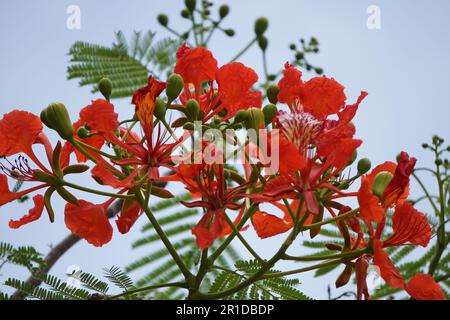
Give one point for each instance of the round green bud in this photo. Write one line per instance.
(381, 182)
(272, 93)
(241, 116)
(224, 10)
(319, 71)
(270, 112)
(190, 4)
(261, 25)
(299, 55)
(229, 32)
(83, 133)
(448, 148)
(263, 42)
(160, 109)
(163, 19)
(364, 166)
(255, 118)
(105, 87)
(292, 46)
(185, 14)
(425, 145)
(193, 108)
(438, 162)
(56, 117)
(175, 85)
(189, 126)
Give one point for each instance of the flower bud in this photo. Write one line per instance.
(185, 14)
(175, 85)
(163, 19)
(263, 42)
(255, 118)
(83, 133)
(193, 108)
(189, 126)
(105, 87)
(241, 116)
(261, 25)
(160, 109)
(272, 93)
(270, 111)
(229, 32)
(56, 117)
(224, 10)
(190, 4)
(363, 166)
(333, 246)
(380, 183)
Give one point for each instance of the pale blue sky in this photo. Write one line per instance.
(404, 67)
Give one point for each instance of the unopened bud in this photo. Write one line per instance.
(175, 85)
(193, 108)
(229, 32)
(160, 109)
(83, 133)
(263, 42)
(190, 4)
(270, 112)
(261, 25)
(344, 278)
(380, 183)
(272, 93)
(163, 19)
(363, 166)
(105, 87)
(189, 126)
(56, 117)
(255, 118)
(224, 10)
(241, 116)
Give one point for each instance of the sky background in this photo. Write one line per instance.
(404, 67)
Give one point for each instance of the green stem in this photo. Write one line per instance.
(85, 145)
(350, 254)
(244, 50)
(436, 210)
(102, 193)
(340, 217)
(305, 269)
(184, 270)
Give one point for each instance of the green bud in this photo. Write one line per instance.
(263, 42)
(193, 108)
(319, 71)
(255, 118)
(261, 25)
(75, 169)
(292, 46)
(83, 133)
(190, 4)
(185, 14)
(175, 85)
(364, 166)
(299, 55)
(224, 10)
(56, 117)
(160, 109)
(272, 93)
(270, 112)
(105, 87)
(163, 19)
(425, 145)
(380, 183)
(241, 116)
(229, 32)
(438, 162)
(189, 126)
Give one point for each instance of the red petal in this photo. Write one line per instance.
(388, 271)
(6, 195)
(423, 287)
(369, 207)
(290, 159)
(267, 225)
(88, 221)
(105, 177)
(322, 97)
(99, 116)
(196, 65)
(18, 131)
(410, 226)
(131, 211)
(349, 111)
(289, 85)
(145, 100)
(33, 214)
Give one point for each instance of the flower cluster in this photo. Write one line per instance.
(307, 126)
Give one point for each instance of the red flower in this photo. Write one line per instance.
(371, 208)
(195, 66)
(88, 221)
(235, 81)
(99, 117)
(21, 130)
(290, 85)
(145, 101)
